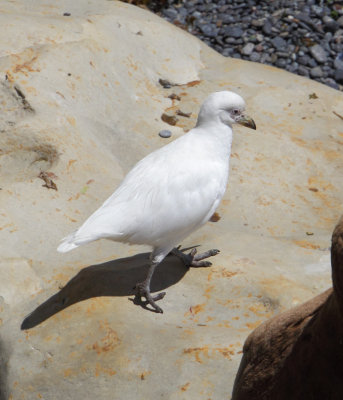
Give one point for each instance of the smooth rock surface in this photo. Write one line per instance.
(81, 102)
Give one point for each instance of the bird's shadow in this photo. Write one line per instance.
(113, 278)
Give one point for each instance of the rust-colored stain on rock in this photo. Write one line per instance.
(193, 83)
(259, 310)
(68, 372)
(185, 387)
(108, 343)
(253, 325)
(221, 273)
(99, 369)
(22, 65)
(306, 244)
(193, 310)
(144, 374)
(208, 291)
(206, 352)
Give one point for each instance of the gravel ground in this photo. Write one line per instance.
(303, 37)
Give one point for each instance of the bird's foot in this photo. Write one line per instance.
(142, 290)
(193, 259)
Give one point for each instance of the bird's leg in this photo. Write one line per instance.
(193, 259)
(143, 290)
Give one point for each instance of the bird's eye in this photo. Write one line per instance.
(235, 111)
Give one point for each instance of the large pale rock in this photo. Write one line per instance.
(298, 354)
(80, 101)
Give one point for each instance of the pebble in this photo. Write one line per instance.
(209, 30)
(303, 37)
(303, 71)
(339, 75)
(170, 13)
(318, 53)
(234, 32)
(330, 24)
(316, 72)
(279, 43)
(303, 60)
(255, 57)
(165, 134)
(281, 62)
(248, 49)
(338, 63)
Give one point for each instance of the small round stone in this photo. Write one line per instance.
(318, 53)
(248, 49)
(170, 13)
(316, 72)
(255, 57)
(165, 134)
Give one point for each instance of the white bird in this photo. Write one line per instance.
(171, 192)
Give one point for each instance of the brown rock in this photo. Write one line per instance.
(299, 353)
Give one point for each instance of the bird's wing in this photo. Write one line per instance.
(168, 193)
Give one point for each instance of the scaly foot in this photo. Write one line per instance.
(193, 259)
(143, 290)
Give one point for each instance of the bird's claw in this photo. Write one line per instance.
(143, 291)
(206, 254)
(193, 259)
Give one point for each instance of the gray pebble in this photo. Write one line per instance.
(293, 67)
(338, 63)
(279, 43)
(330, 24)
(328, 36)
(318, 53)
(281, 62)
(267, 28)
(234, 32)
(226, 52)
(316, 72)
(258, 23)
(237, 55)
(255, 57)
(170, 13)
(303, 71)
(196, 14)
(318, 11)
(339, 75)
(209, 30)
(248, 49)
(330, 82)
(303, 60)
(165, 134)
(312, 63)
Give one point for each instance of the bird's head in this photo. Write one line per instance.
(225, 107)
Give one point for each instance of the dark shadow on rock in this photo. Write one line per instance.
(113, 278)
(298, 354)
(4, 395)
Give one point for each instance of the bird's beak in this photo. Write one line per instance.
(247, 121)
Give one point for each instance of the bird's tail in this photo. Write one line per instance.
(67, 244)
(76, 239)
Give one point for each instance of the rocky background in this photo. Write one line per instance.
(303, 37)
